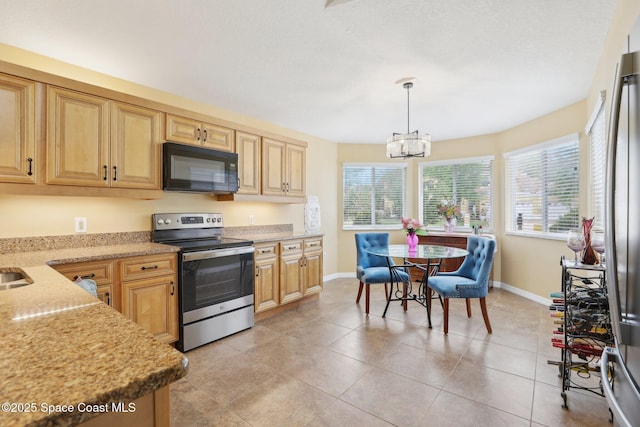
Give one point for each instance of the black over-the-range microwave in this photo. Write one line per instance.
(199, 170)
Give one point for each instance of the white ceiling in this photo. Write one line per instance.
(329, 70)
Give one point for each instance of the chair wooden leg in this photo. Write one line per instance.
(446, 315)
(468, 307)
(485, 316)
(429, 295)
(359, 292)
(366, 299)
(386, 291)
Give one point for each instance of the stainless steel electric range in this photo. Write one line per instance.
(215, 276)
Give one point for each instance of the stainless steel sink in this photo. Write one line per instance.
(13, 279)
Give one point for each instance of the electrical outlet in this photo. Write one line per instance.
(81, 224)
(250, 219)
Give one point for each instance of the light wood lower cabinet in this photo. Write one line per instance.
(291, 283)
(312, 271)
(142, 288)
(151, 410)
(99, 271)
(287, 271)
(267, 280)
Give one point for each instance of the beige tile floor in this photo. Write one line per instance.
(328, 364)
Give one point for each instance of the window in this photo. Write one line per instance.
(465, 182)
(373, 195)
(542, 188)
(597, 162)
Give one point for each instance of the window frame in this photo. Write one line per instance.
(457, 161)
(597, 154)
(372, 225)
(572, 138)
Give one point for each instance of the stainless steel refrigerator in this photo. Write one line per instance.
(621, 381)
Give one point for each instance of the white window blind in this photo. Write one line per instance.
(373, 195)
(468, 183)
(542, 188)
(598, 158)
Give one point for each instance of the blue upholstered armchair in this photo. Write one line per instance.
(471, 280)
(373, 268)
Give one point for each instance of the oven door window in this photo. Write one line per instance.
(211, 281)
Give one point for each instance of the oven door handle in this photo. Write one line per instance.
(217, 253)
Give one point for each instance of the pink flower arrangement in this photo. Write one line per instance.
(413, 226)
(448, 209)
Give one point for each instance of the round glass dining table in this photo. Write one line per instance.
(426, 258)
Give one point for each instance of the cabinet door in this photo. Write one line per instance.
(267, 289)
(273, 167)
(248, 149)
(153, 304)
(296, 166)
(291, 278)
(181, 129)
(217, 137)
(102, 272)
(313, 273)
(135, 146)
(77, 138)
(17, 130)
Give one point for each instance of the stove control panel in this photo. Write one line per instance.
(175, 221)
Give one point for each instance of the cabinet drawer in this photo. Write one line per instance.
(100, 271)
(147, 266)
(290, 246)
(313, 245)
(266, 250)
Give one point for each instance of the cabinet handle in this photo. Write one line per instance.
(108, 295)
(152, 267)
(287, 187)
(88, 276)
(30, 160)
(106, 171)
(205, 136)
(292, 247)
(313, 244)
(257, 271)
(173, 288)
(283, 187)
(266, 251)
(199, 133)
(115, 173)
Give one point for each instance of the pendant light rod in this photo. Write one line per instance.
(407, 86)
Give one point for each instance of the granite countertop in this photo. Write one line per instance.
(272, 237)
(61, 346)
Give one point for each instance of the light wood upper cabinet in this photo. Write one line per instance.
(195, 132)
(248, 149)
(77, 138)
(283, 168)
(92, 141)
(135, 146)
(17, 130)
(296, 170)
